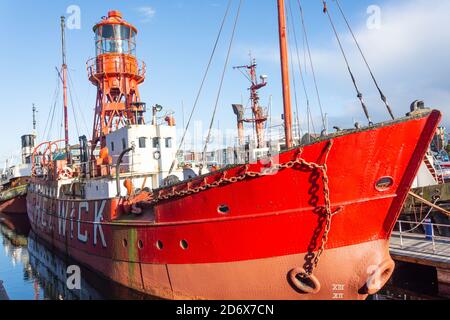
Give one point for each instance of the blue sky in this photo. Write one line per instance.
(408, 53)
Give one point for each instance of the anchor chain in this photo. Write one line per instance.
(158, 197)
(323, 168)
(329, 218)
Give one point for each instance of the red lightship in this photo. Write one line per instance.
(315, 219)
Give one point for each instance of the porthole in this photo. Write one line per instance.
(223, 209)
(384, 184)
(140, 244)
(125, 243)
(184, 244)
(159, 245)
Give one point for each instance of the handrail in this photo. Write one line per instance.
(432, 238)
(439, 171)
(123, 67)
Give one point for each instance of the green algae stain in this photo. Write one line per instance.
(132, 255)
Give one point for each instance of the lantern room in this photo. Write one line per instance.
(115, 35)
(117, 74)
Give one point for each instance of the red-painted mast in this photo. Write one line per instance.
(64, 79)
(285, 73)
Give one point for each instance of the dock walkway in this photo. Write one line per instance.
(428, 250)
(417, 249)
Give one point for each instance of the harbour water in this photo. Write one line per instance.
(31, 271)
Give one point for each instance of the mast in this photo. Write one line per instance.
(259, 116)
(285, 73)
(64, 79)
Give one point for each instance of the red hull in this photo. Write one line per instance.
(274, 223)
(13, 213)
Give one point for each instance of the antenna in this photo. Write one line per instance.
(34, 119)
(259, 115)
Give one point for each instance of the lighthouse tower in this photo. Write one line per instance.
(127, 143)
(117, 74)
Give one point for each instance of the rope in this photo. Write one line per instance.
(428, 203)
(383, 97)
(422, 222)
(202, 83)
(359, 94)
(221, 81)
(306, 41)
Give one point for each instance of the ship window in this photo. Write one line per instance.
(223, 209)
(124, 144)
(143, 142)
(112, 146)
(156, 143)
(115, 39)
(184, 244)
(168, 142)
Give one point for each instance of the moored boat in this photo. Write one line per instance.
(312, 222)
(14, 183)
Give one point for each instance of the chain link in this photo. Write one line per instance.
(267, 172)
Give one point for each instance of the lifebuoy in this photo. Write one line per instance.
(37, 172)
(65, 173)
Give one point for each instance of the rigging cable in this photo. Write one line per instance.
(383, 97)
(202, 83)
(50, 128)
(221, 81)
(78, 105)
(306, 41)
(359, 94)
(73, 110)
(294, 34)
(310, 121)
(52, 108)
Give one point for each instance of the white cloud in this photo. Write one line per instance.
(147, 12)
(409, 54)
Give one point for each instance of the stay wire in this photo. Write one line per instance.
(202, 83)
(383, 97)
(294, 82)
(359, 94)
(316, 85)
(78, 105)
(222, 80)
(73, 110)
(52, 107)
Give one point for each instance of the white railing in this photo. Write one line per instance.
(406, 231)
(438, 168)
